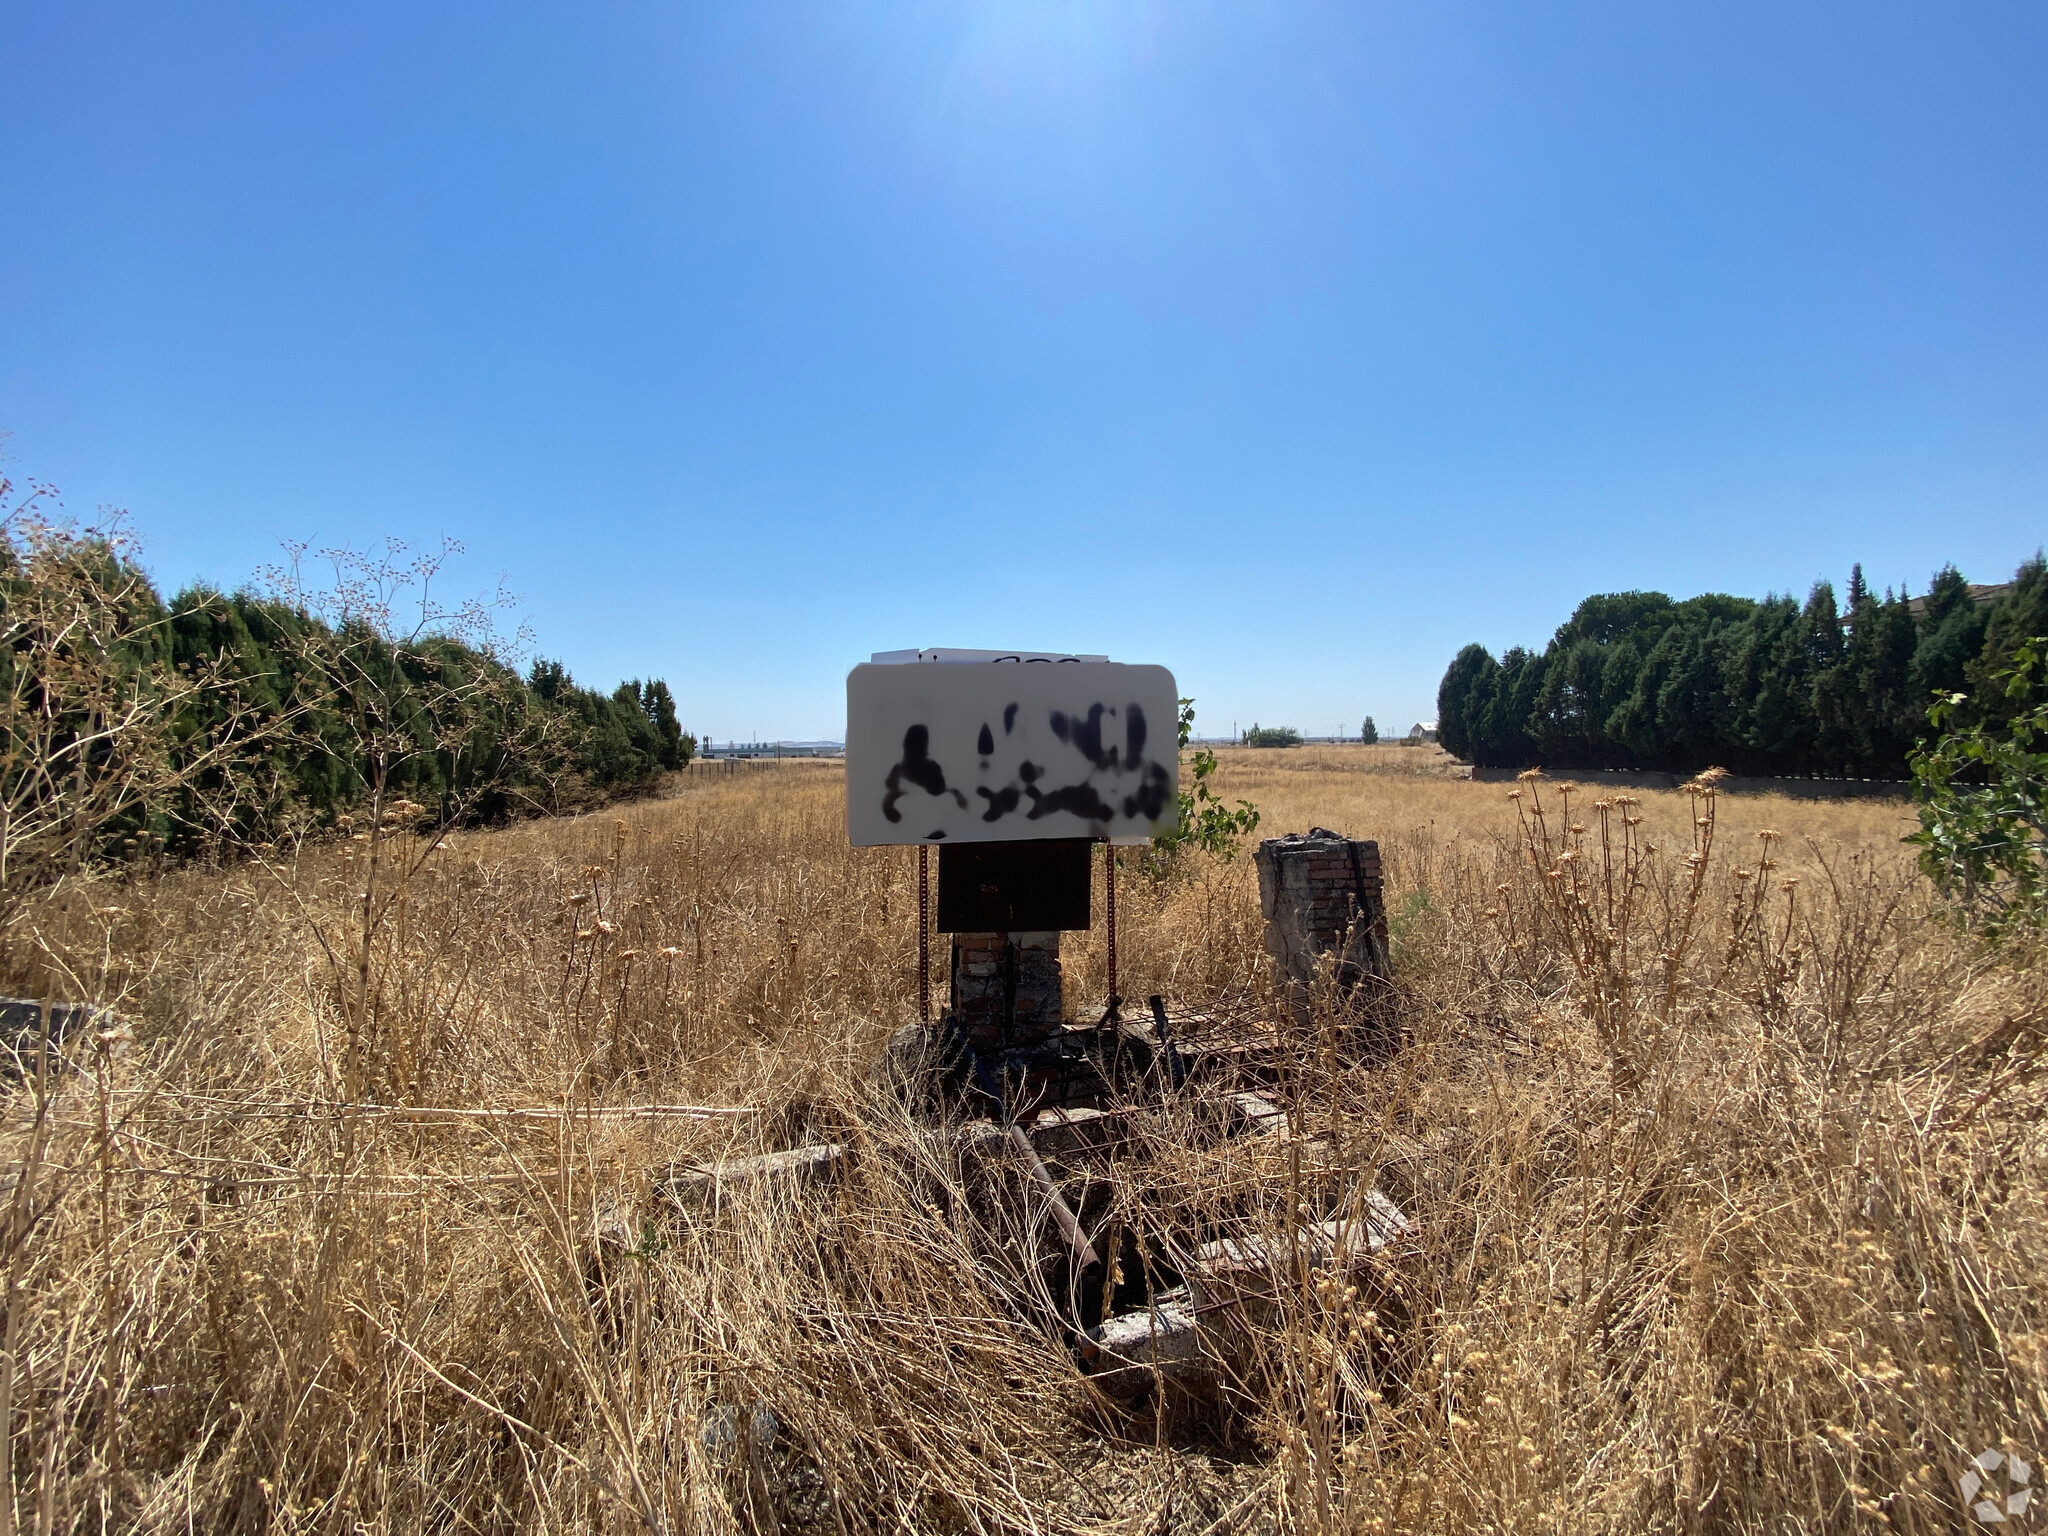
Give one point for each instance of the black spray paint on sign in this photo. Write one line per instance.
(924, 761)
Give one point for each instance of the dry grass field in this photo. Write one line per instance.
(1725, 1177)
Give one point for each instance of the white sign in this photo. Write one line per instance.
(997, 752)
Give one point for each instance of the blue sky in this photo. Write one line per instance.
(1291, 346)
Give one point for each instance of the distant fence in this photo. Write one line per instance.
(728, 766)
(1734, 784)
(1321, 741)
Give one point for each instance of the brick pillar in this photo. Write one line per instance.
(986, 966)
(1321, 894)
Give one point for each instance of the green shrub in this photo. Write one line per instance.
(1983, 787)
(1272, 736)
(1205, 821)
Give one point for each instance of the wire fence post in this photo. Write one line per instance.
(1110, 890)
(924, 933)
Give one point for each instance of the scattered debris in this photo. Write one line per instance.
(1063, 1117)
(1177, 1307)
(803, 1165)
(1256, 1115)
(23, 1033)
(724, 1423)
(1238, 1271)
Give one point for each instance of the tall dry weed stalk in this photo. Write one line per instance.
(1606, 906)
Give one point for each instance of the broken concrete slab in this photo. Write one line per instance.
(1253, 1114)
(1070, 1131)
(1125, 1354)
(1239, 1272)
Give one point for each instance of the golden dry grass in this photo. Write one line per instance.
(1777, 1264)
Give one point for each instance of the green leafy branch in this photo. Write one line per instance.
(1206, 822)
(1984, 800)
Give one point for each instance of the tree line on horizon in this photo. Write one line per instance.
(1635, 680)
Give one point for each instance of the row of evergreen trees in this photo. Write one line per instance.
(128, 722)
(1635, 680)
(453, 722)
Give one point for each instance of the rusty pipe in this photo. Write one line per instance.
(1079, 1250)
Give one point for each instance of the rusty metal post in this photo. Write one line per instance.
(1110, 905)
(924, 933)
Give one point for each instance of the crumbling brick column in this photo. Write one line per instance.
(1321, 894)
(1006, 987)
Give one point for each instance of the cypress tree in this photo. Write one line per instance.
(1463, 700)
(660, 706)
(2017, 617)
(1569, 724)
(1820, 635)
(1951, 635)
(1897, 716)
(1510, 739)
(1692, 703)
(1769, 715)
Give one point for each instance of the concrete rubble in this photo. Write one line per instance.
(1127, 1355)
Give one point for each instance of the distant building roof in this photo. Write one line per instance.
(1983, 594)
